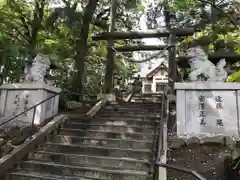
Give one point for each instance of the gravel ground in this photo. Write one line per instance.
(204, 159)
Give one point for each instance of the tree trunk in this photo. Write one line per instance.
(82, 48)
(110, 66)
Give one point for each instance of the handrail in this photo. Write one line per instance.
(177, 168)
(159, 144)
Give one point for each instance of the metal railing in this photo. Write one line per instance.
(180, 169)
(161, 148)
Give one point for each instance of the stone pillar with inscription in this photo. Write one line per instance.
(208, 109)
(18, 97)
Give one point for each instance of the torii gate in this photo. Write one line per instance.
(173, 33)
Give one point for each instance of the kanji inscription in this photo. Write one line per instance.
(201, 107)
(211, 112)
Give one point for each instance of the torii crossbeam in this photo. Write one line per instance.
(139, 48)
(147, 34)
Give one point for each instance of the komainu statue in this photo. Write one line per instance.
(40, 65)
(202, 68)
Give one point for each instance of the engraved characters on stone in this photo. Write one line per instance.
(202, 113)
(201, 107)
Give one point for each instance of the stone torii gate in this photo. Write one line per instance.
(111, 36)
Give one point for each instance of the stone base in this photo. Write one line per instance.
(179, 142)
(208, 108)
(16, 98)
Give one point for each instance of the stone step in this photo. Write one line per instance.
(129, 118)
(115, 127)
(148, 98)
(130, 103)
(91, 161)
(126, 115)
(107, 142)
(106, 134)
(129, 114)
(124, 120)
(133, 109)
(136, 109)
(29, 175)
(140, 154)
(69, 170)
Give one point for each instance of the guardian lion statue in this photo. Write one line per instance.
(39, 69)
(202, 68)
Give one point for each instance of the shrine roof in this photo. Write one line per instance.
(161, 66)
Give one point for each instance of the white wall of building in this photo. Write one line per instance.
(159, 78)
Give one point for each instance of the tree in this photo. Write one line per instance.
(95, 17)
(26, 21)
(216, 22)
(59, 35)
(81, 46)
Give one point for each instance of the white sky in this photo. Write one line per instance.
(149, 41)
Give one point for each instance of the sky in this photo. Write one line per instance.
(149, 41)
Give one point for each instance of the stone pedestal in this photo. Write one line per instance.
(208, 108)
(15, 98)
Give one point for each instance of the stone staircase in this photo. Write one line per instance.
(145, 98)
(118, 144)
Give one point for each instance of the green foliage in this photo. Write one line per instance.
(41, 26)
(235, 77)
(213, 21)
(36, 26)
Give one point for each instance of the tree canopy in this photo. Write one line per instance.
(216, 23)
(63, 30)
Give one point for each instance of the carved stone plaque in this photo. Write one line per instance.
(211, 113)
